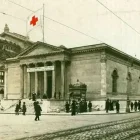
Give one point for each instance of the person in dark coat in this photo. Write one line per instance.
(131, 106)
(85, 106)
(111, 106)
(107, 105)
(117, 106)
(35, 103)
(37, 111)
(90, 106)
(34, 96)
(139, 105)
(19, 104)
(67, 106)
(135, 105)
(54, 95)
(17, 109)
(24, 108)
(73, 108)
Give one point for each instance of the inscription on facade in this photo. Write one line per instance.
(48, 68)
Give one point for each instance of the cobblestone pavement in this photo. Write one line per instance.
(14, 127)
(128, 129)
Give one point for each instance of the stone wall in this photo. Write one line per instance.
(123, 68)
(86, 68)
(13, 81)
(122, 73)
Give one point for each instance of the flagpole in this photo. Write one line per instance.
(43, 22)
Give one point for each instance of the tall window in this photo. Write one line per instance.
(1, 77)
(114, 81)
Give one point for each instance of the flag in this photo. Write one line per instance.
(34, 20)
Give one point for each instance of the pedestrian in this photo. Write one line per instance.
(111, 106)
(139, 105)
(85, 106)
(54, 95)
(135, 105)
(67, 107)
(117, 106)
(24, 108)
(131, 106)
(34, 96)
(19, 104)
(17, 109)
(37, 111)
(73, 108)
(34, 105)
(107, 105)
(90, 106)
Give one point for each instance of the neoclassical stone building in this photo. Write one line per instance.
(48, 69)
(11, 44)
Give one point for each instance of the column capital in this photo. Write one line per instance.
(45, 63)
(63, 61)
(35, 64)
(28, 66)
(53, 62)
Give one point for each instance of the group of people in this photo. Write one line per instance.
(78, 107)
(109, 106)
(135, 106)
(22, 109)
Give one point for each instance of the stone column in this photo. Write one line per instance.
(5, 82)
(53, 80)
(28, 83)
(21, 81)
(62, 79)
(36, 81)
(103, 74)
(45, 80)
(25, 81)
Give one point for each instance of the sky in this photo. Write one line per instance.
(86, 16)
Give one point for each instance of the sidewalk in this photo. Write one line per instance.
(67, 114)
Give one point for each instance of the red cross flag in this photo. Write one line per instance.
(34, 20)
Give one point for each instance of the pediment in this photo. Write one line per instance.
(39, 49)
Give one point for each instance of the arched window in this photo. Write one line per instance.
(114, 80)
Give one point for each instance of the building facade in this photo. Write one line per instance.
(11, 44)
(49, 70)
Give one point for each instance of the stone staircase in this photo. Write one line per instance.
(8, 106)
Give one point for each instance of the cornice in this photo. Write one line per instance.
(121, 61)
(45, 54)
(87, 50)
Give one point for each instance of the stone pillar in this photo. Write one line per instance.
(25, 81)
(62, 79)
(5, 82)
(45, 80)
(28, 84)
(21, 81)
(103, 74)
(53, 80)
(36, 82)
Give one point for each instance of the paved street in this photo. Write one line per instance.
(16, 127)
